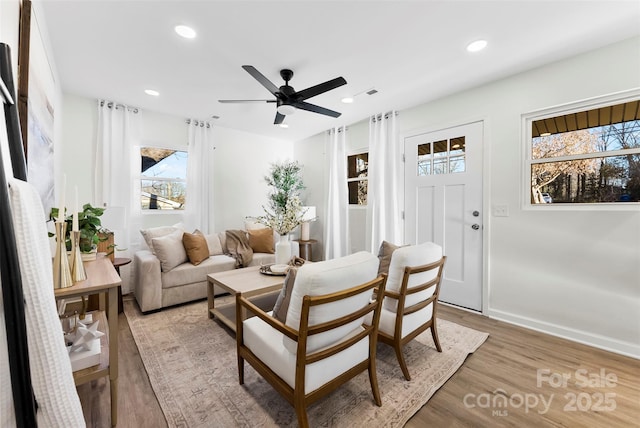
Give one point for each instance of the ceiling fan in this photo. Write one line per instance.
(287, 99)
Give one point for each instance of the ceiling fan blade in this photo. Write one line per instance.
(279, 119)
(260, 78)
(315, 109)
(246, 101)
(321, 88)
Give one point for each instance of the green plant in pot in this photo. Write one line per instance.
(88, 224)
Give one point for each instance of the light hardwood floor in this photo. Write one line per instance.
(579, 386)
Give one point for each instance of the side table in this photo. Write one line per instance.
(117, 262)
(305, 249)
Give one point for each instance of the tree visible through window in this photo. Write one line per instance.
(590, 156)
(163, 179)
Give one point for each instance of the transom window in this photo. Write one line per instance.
(163, 178)
(442, 157)
(586, 156)
(358, 178)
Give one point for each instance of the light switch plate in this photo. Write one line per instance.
(501, 210)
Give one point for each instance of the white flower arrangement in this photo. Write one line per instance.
(284, 221)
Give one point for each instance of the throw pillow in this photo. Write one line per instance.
(196, 247)
(213, 242)
(384, 254)
(157, 232)
(261, 240)
(282, 303)
(169, 250)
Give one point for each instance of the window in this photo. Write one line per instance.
(585, 156)
(357, 178)
(163, 178)
(441, 157)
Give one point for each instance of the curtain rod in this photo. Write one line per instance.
(111, 104)
(378, 117)
(340, 129)
(199, 123)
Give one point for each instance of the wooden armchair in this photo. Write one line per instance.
(411, 297)
(323, 342)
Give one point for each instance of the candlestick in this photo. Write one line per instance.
(75, 227)
(77, 267)
(61, 270)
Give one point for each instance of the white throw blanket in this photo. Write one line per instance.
(51, 375)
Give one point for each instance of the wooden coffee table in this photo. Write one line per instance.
(259, 288)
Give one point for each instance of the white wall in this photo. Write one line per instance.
(574, 274)
(241, 160)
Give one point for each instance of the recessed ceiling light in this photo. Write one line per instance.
(347, 100)
(476, 46)
(151, 92)
(184, 31)
(545, 134)
(284, 125)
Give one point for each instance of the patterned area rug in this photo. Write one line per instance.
(192, 366)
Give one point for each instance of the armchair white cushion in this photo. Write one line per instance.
(303, 364)
(413, 283)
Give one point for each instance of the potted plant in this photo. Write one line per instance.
(284, 211)
(88, 224)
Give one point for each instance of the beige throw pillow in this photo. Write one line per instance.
(213, 242)
(196, 247)
(158, 232)
(384, 254)
(170, 251)
(261, 240)
(282, 303)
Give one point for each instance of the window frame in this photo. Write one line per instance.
(573, 107)
(356, 152)
(141, 177)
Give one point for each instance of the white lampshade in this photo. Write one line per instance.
(286, 109)
(310, 214)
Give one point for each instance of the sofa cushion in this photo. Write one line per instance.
(413, 255)
(384, 255)
(261, 240)
(169, 250)
(157, 232)
(213, 243)
(196, 247)
(316, 279)
(187, 273)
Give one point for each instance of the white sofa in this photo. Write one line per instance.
(159, 284)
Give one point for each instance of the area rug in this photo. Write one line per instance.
(192, 366)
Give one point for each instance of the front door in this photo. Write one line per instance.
(443, 204)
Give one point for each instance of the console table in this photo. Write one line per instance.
(102, 279)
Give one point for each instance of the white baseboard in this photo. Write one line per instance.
(597, 341)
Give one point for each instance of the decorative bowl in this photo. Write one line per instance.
(279, 268)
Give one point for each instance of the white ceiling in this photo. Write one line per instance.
(410, 51)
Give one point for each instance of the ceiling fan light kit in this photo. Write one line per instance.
(288, 100)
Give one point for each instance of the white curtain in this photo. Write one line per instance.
(198, 214)
(337, 226)
(117, 173)
(384, 195)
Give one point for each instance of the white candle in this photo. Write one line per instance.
(75, 227)
(61, 204)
